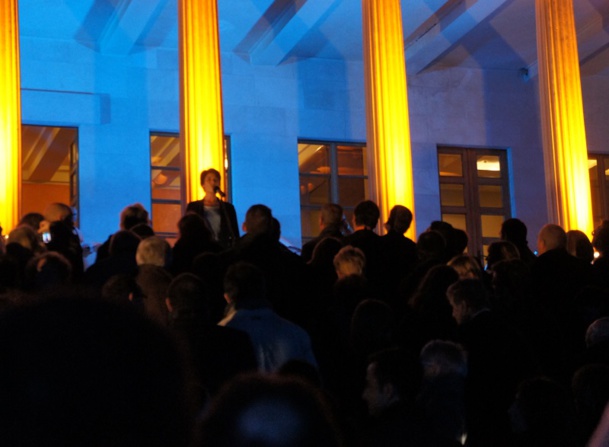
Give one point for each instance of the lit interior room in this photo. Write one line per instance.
(468, 112)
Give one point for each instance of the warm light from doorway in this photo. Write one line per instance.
(202, 135)
(10, 116)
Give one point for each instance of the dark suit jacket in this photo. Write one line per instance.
(370, 243)
(307, 249)
(229, 229)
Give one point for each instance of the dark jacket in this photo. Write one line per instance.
(229, 229)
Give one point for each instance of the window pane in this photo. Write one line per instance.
(309, 220)
(165, 184)
(73, 185)
(351, 191)
(491, 225)
(592, 169)
(49, 169)
(491, 196)
(165, 150)
(456, 220)
(351, 160)
(450, 165)
(451, 195)
(314, 190)
(489, 166)
(596, 203)
(313, 158)
(606, 167)
(165, 217)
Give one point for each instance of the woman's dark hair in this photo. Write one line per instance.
(209, 171)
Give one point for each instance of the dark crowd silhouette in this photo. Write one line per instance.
(357, 340)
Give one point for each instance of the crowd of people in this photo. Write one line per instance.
(359, 340)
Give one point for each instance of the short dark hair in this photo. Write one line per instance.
(366, 213)
(431, 244)
(259, 219)
(514, 230)
(244, 282)
(284, 411)
(119, 288)
(48, 269)
(132, 215)
(194, 227)
(187, 295)
(399, 219)
(209, 171)
(124, 242)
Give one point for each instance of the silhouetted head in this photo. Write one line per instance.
(258, 220)
(399, 219)
(366, 214)
(515, 231)
(132, 215)
(269, 411)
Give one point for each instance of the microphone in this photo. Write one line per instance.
(217, 190)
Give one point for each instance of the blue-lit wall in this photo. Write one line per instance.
(115, 101)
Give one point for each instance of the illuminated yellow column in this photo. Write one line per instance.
(563, 128)
(10, 116)
(387, 124)
(201, 132)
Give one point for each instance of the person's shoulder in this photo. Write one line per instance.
(194, 206)
(227, 204)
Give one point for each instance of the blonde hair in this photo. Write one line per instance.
(466, 266)
(349, 261)
(153, 250)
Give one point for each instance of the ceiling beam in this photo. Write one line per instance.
(130, 20)
(592, 42)
(281, 28)
(444, 29)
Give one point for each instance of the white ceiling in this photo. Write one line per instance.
(489, 34)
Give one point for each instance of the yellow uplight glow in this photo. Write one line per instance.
(200, 93)
(10, 116)
(387, 106)
(563, 127)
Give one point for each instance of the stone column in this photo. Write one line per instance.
(387, 124)
(10, 116)
(562, 117)
(201, 132)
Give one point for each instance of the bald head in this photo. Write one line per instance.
(551, 237)
(57, 212)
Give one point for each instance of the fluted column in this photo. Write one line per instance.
(387, 123)
(562, 115)
(10, 116)
(201, 134)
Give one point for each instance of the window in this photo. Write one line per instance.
(474, 193)
(49, 167)
(329, 172)
(598, 167)
(165, 175)
(166, 184)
